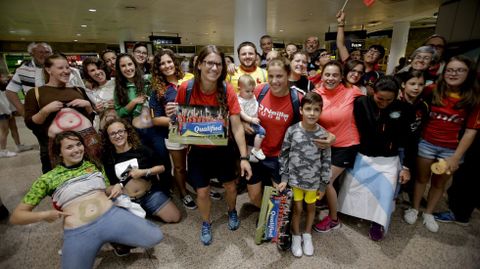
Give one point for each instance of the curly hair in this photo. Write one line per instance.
(121, 81)
(132, 136)
(159, 80)
(57, 147)
(100, 64)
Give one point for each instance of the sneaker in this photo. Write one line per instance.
(307, 244)
(297, 246)
(252, 158)
(430, 223)
(233, 221)
(7, 154)
(215, 195)
(258, 154)
(188, 202)
(121, 250)
(22, 148)
(326, 225)
(376, 232)
(410, 216)
(206, 235)
(447, 217)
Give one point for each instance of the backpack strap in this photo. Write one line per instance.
(189, 91)
(262, 94)
(295, 103)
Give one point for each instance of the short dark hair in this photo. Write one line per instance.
(388, 84)
(380, 49)
(265, 36)
(312, 98)
(244, 44)
(140, 44)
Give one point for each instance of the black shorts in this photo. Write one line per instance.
(344, 157)
(205, 163)
(265, 171)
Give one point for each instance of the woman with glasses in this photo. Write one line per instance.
(209, 89)
(353, 71)
(337, 117)
(421, 60)
(140, 53)
(450, 130)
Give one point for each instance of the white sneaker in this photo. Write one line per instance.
(410, 216)
(297, 246)
(252, 158)
(307, 244)
(7, 154)
(430, 223)
(258, 154)
(22, 148)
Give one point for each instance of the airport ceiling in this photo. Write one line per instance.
(196, 21)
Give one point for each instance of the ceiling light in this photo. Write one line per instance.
(79, 34)
(281, 30)
(92, 10)
(75, 40)
(12, 31)
(83, 26)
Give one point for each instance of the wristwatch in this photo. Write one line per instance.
(242, 158)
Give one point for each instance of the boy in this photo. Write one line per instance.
(306, 168)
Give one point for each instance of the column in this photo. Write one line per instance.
(250, 22)
(398, 45)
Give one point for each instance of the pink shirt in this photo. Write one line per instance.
(337, 114)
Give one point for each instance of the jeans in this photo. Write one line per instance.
(117, 225)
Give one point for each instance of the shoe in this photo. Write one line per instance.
(121, 250)
(188, 202)
(215, 195)
(448, 217)
(297, 246)
(252, 158)
(258, 154)
(326, 225)
(410, 216)
(3, 212)
(7, 154)
(22, 148)
(307, 244)
(206, 235)
(430, 223)
(376, 232)
(233, 221)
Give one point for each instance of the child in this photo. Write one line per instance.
(306, 168)
(249, 106)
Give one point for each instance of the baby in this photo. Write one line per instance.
(249, 105)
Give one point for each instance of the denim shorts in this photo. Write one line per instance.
(258, 129)
(429, 151)
(153, 200)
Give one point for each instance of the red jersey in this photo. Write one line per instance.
(445, 122)
(276, 115)
(200, 98)
(337, 114)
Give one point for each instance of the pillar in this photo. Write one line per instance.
(398, 45)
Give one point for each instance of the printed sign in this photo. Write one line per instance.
(199, 125)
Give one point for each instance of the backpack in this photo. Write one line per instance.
(293, 97)
(190, 89)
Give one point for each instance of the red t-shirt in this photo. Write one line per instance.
(337, 114)
(276, 115)
(199, 98)
(445, 123)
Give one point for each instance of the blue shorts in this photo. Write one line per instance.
(258, 129)
(265, 171)
(153, 200)
(429, 151)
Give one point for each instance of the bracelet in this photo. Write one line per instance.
(149, 171)
(244, 158)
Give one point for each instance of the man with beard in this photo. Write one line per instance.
(247, 53)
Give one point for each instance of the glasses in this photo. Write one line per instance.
(456, 71)
(324, 55)
(141, 52)
(210, 64)
(120, 132)
(424, 58)
(373, 51)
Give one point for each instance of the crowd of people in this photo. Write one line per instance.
(296, 119)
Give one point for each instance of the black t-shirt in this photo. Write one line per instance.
(145, 157)
(303, 84)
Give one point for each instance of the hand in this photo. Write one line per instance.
(340, 16)
(79, 103)
(255, 120)
(52, 107)
(281, 186)
(139, 99)
(99, 106)
(231, 69)
(325, 142)
(171, 108)
(404, 176)
(247, 128)
(246, 170)
(115, 191)
(53, 215)
(452, 164)
(137, 173)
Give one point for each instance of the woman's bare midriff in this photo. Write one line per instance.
(137, 187)
(85, 209)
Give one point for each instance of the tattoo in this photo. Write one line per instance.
(89, 210)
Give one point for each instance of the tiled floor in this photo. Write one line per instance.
(36, 245)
